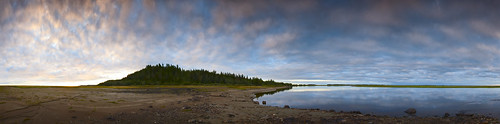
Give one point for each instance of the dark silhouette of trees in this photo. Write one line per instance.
(166, 74)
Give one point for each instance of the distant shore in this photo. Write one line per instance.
(174, 104)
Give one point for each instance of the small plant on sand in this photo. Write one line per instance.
(26, 119)
(3, 102)
(187, 110)
(91, 101)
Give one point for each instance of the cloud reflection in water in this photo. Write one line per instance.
(390, 101)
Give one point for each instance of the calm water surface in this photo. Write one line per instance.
(390, 101)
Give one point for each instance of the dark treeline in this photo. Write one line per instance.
(166, 74)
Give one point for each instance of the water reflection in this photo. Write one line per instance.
(389, 101)
(272, 92)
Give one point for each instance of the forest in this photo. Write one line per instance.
(167, 74)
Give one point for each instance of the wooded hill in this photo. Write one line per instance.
(166, 74)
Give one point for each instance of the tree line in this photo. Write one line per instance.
(166, 74)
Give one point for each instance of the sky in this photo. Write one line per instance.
(84, 42)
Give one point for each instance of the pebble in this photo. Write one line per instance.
(194, 121)
(411, 111)
(186, 107)
(111, 119)
(446, 115)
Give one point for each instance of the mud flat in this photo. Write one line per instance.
(174, 104)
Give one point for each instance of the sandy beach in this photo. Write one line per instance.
(174, 104)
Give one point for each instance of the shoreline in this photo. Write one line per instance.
(358, 117)
(175, 104)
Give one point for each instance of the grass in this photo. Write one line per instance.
(415, 86)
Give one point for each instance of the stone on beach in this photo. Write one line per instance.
(446, 115)
(411, 111)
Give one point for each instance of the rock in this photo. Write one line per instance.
(289, 120)
(111, 119)
(355, 112)
(286, 106)
(227, 121)
(463, 115)
(446, 115)
(194, 121)
(411, 111)
(150, 106)
(239, 100)
(343, 120)
(196, 98)
(256, 102)
(231, 115)
(263, 102)
(186, 107)
(73, 117)
(331, 110)
(484, 122)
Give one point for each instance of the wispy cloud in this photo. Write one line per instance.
(419, 42)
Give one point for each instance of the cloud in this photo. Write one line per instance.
(410, 42)
(275, 43)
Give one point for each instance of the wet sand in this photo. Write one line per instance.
(174, 104)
